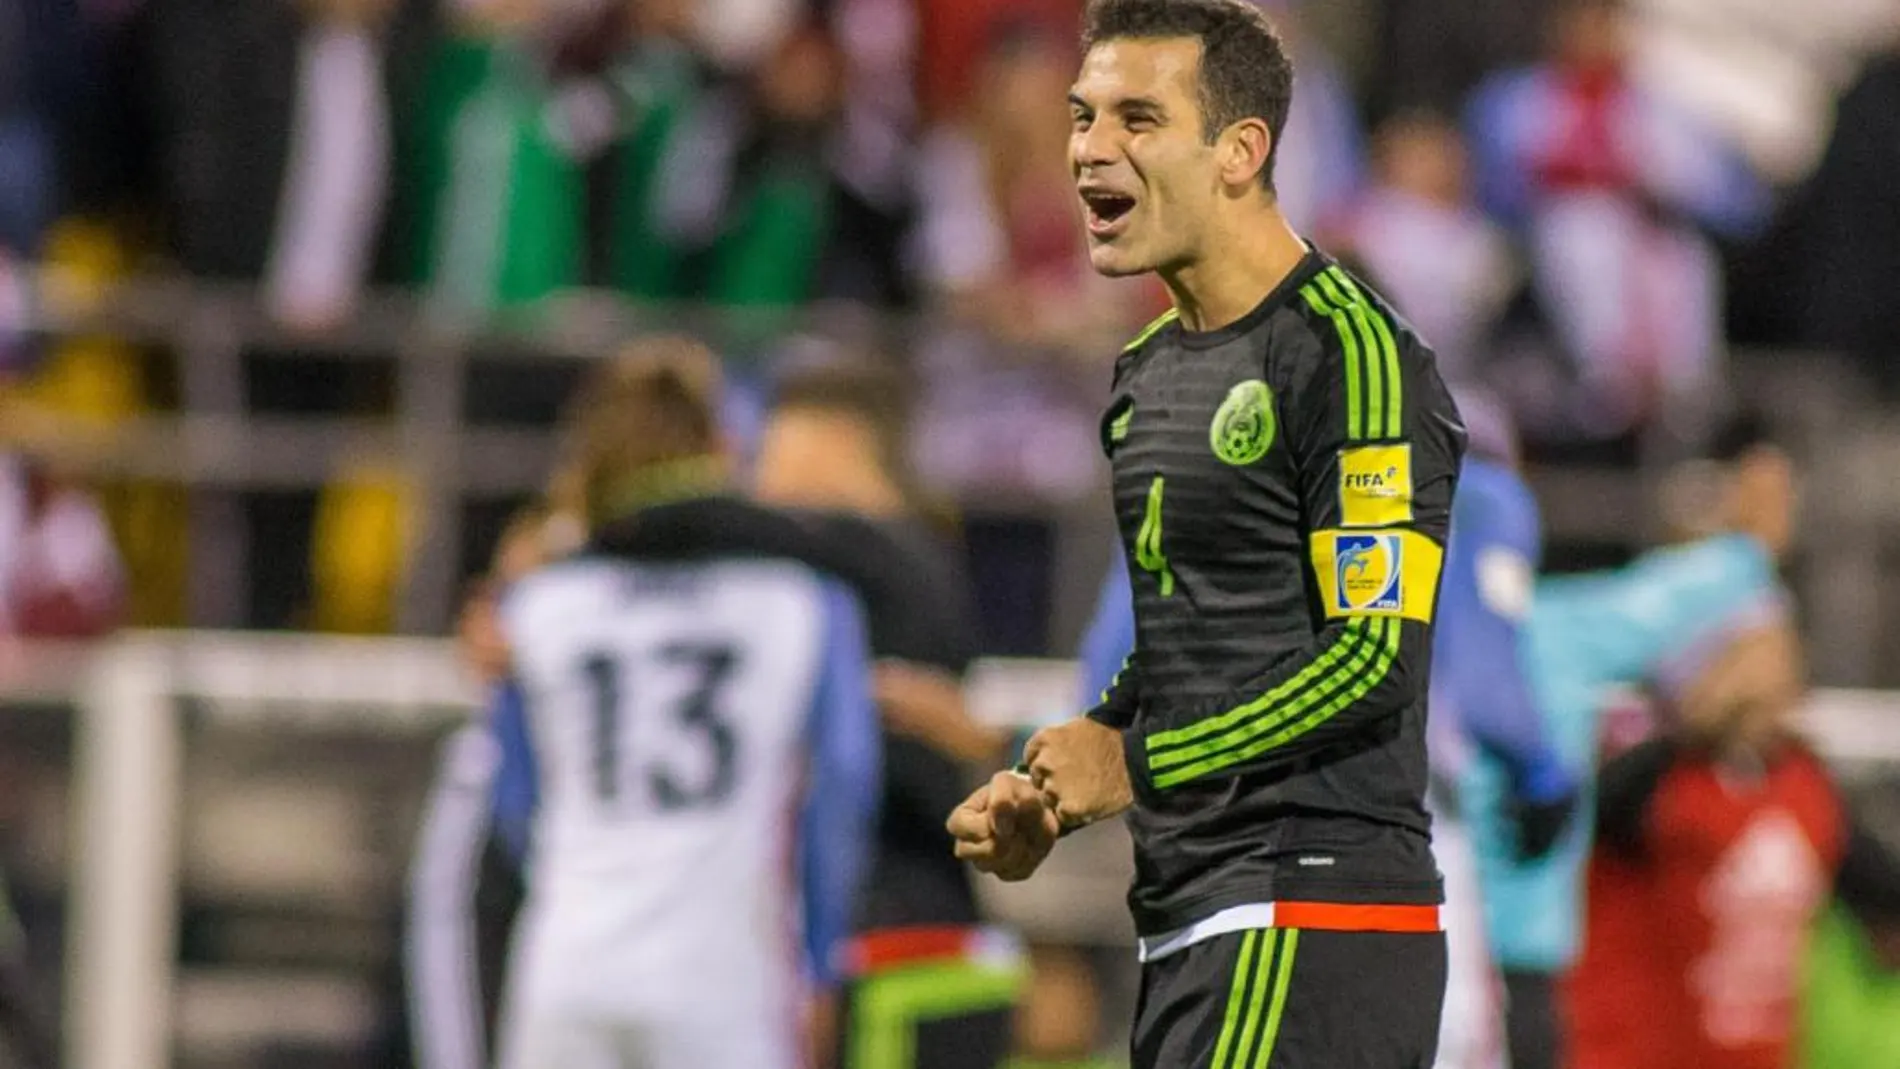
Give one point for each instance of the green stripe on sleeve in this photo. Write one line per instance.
(1236, 995)
(1388, 651)
(1355, 400)
(1310, 676)
(1153, 328)
(1369, 644)
(1376, 388)
(1389, 346)
(1119, 673)
(1282, 983)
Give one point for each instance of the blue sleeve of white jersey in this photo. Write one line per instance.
(845, 783)
(1480, 656)
(1111, 634)
(517, 788)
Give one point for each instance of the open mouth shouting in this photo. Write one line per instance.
(1107, 210)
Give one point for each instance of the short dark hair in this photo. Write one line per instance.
(1245, 70)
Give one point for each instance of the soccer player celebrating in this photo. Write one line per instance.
(1284, 458)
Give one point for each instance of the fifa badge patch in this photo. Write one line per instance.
(1244, 426)
(1375, 485)
(1368, 574)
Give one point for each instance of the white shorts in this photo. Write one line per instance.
(546, 1038)
(1471, 1032)
(661, 1001)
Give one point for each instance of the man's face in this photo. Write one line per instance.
(1146, 175)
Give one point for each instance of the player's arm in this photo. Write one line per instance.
(517, 790)
(1626, 785)
(1480, 657)
(1108, 650)
(1377, 442)
(439, 952)
(845, 779)
(1661, 616)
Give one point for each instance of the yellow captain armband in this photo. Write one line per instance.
(1377, 573)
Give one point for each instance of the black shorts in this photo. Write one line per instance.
(1288, 998)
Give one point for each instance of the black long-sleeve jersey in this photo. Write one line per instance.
(1283, 486)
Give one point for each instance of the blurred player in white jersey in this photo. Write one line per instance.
(705, 748)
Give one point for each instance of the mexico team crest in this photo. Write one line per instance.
(1368, 574)
(1243, 429)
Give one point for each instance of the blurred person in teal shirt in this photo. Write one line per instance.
(1647, 623)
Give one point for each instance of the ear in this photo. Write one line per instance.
(1244, 148)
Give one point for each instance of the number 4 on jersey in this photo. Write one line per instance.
(1148, 552)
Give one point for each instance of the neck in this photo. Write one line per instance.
(871, 496)
(662, 484)
(1245, 259)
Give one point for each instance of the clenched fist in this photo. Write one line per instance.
(1079, 767)
(1006, 828)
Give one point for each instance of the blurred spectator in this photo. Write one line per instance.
(59, 572)
(1718, 843)
(1609, 186)
(1764, 75)
(870, 154)
(1418, 233)
(223, 87)
(26, 147)
(956, 35)
(1437, 51)
(1852, 261)
(752, 190)
(1319, 172)
(361, 545)
(1000, 237)
(331, 201)
(742, 35)
(505, 125)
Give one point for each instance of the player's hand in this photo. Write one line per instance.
(1006, 828)
(1080, 767)
(1543, 798)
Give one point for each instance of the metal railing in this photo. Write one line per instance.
(1849, 445)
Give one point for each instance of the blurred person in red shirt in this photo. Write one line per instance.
(1418, 231)
(1718, 843)
(60, 574)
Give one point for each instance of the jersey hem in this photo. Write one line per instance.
(1158, 922)
(1309, 916)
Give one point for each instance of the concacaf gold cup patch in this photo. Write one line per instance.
(1377, 573)
(1375, 485)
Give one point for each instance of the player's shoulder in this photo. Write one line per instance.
(1160, 331)
(1341, 315)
